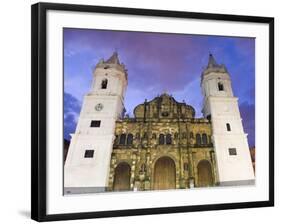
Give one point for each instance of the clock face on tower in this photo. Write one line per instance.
(99, 107)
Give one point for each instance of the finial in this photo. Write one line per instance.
(114, 59)
(212, 62)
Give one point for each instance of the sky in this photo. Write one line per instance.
(157, 63)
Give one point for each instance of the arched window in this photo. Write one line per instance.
(130, 139)
(228, 128)
(204, 139)
(191, 135)
(161, 139)
(198, 139)
(168, 139)
(122, 140)
(220, 86)
(184, 135)
(104, 84)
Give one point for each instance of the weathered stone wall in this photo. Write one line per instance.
(146, 148)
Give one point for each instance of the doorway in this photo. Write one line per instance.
(122, 177)
(164, 174)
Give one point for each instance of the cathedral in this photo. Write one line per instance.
(163, 146)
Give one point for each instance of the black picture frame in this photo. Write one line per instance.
(39, 107)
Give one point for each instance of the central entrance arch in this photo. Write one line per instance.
(122, 177)
(164, 174)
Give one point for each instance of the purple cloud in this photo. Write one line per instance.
(158, 62)
(248, 119)
(72, 108)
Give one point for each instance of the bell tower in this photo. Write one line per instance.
(87, 165)
(230, 142)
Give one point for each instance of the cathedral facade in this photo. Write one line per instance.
(163, 146)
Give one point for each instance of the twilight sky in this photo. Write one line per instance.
(156, 63)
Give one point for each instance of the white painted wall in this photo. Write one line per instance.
(223, 107)
(94, 172)
(210, 85)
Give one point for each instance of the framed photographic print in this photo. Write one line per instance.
(138, 111)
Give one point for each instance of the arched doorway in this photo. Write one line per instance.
(122, 177)
(204, 171)
(164, 174)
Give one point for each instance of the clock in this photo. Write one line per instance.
(99, 107)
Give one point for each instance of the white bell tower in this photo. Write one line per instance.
(230, 142)
(87, 164)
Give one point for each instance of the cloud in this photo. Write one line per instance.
(151, 58)
(248, 119)
(72, 108)
(158, 62)
(191, 94)
(69, 53)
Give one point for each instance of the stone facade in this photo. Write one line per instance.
(162, 128)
